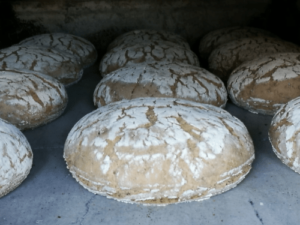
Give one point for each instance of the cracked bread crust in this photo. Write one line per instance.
(163, 79)
(147, 51)
(284, 134)
(138, 36)
(221, 36)
(16, 157)
(264, 84)
(225, 58)
(29, 99)
(68, 43)
(62, 66)
(159, 151)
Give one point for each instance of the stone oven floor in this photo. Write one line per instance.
(270, 194)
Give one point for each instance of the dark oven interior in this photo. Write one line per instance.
(102, 21)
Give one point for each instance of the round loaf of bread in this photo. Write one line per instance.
(284, 134)
(224, 59)
(147, 51)
(221, 36)
(64, 67)
(138, 36)
(68, 43)
(266, 83)
(159, 151)
(16, 157)
(30, 99)
(163, 79)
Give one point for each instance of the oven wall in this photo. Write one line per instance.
(102, 20)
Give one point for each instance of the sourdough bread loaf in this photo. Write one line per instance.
(64, 67)
(68, 43)
(16, 157)
(162, 79)
(224, 59)
(221, 36)
(158, 151)
(138, 36)
(284, 134)
(266, 83)
(29, 99)
(147, 51)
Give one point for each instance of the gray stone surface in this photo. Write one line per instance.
(270, 194)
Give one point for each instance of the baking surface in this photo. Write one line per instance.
(270, 194)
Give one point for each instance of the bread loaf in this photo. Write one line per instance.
(224, 59)
(159, 151)
(162, 79)
(148, 51)
(68, 43)
(16, 157)
(218, 37)
(284, 134)
(138, 36)
(64, 67)
(264, 84)
(29, 99)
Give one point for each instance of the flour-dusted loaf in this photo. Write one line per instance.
(63, 66)
(15, 157)
(159, 151)
(30, 99)
(264, 84)
(229, 56)
(147, 51)
(284, 134)
(161, 79)
(68, 43)
(221, 36)
(137, 36)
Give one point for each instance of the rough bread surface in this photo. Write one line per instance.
(221, 36)
(148, 51)
(29, 99)
(138, 36)
(163, 79)
(284, 134)
(266, 83)
(159, 151)
(224, 59)
(16, 157)
(68, 43)
(64, 67)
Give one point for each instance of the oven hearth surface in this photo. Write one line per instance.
(269, 194)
